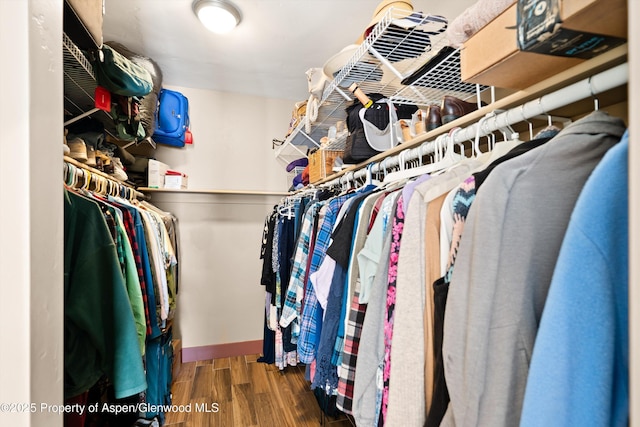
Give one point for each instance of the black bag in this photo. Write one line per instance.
(357, 148)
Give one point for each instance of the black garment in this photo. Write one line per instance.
(268, 279)
(340, 248)
(440, 399)
(286, 247)
(519, 149)
(268, 344)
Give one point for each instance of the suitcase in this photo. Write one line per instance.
(172, 122)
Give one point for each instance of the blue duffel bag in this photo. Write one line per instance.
(172, 122)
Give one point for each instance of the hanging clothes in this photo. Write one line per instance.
(504, 268)
(353, 310)
(579, 372)
(406, 390)
(106, 241)
(461, 201)
(390, 306)
(100, 333)
(367, 386)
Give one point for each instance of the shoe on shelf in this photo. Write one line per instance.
(118, 170)
(434, 117)
(91, 156)
(78, 149)
(454, 108)
(406, 130)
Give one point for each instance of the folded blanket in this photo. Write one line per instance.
(473, 18)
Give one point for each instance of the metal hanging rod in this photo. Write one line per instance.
(101, 175)
(589, 87)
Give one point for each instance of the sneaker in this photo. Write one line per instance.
(118, 169)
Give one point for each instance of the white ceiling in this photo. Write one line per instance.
(266, 55)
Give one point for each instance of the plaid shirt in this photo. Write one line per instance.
(292, 306)
(129, 226)
(309, 325)
(347, 374)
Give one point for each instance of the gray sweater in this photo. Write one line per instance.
(406, 382)
(507, 255)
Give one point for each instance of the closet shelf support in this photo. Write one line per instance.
(586, 88)
(594, 85)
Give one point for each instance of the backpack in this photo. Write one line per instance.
(172, 121)
(120, 75)
(149, 103)
(125, 111)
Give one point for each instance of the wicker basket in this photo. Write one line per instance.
(321, 162)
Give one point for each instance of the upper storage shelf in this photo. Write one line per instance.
(80, 85)
(405, 58)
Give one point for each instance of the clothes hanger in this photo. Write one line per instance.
(114, 189)
(443, 161)
(100, 185)
(74, 178)
(476, 144)
(401, 172)
(529, 124)
(369, 177)
(69, 171)
(82, 179)
(286, 209)
(596, 102)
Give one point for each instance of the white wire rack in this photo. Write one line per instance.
(395, 50)
(588, 87)
(80, 85)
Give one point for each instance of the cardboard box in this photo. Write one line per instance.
(321, 164)
(492, 57)
(156, 171)
(176, 182)
(545, 26)
(83, 19)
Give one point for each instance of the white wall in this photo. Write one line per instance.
(221, 300)
(232, 141)
(31, 224)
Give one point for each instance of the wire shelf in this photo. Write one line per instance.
(397, 49)
(80, 85)
(443, 79)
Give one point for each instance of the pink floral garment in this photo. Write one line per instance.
(398, 225)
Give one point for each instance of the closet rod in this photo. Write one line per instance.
(589, 87)
(103, 175)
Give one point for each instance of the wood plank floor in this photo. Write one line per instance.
(241, 392)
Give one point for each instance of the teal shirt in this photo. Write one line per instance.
(133, 285)
(99, 328)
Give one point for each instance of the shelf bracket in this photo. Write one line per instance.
(343, 93)
(310, 139)
(81, 116)
(385, 62)
(393, 69)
